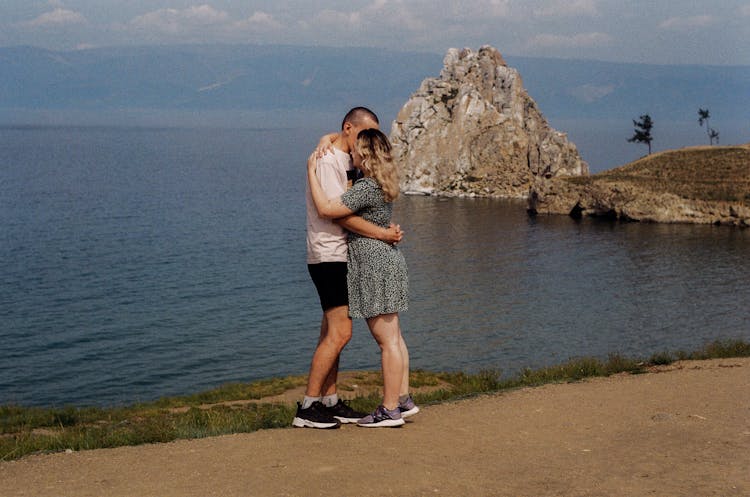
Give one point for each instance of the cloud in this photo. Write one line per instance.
(259, 20)
(335, 17)
(201, 20)
(386, 18)
(568, 8)
(745, 10)
(574, 41)
(484, 9)
(686, 23)
(380, 18)
(396, 14)
(175, 21)
(57, 17)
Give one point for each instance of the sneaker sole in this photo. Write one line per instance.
(306, 423)
(347, 420)
(411, 412)
(386, 423)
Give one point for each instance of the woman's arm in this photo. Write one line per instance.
(361, 226)
(329, 208)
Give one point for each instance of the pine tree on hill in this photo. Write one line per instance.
(643, 131)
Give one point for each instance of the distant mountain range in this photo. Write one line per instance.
(320, 79)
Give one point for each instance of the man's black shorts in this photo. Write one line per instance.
(330, 281)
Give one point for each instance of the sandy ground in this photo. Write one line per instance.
(681, 431)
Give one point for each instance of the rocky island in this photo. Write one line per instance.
(474, 131)
(705, 185)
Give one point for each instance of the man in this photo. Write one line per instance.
(326, 259)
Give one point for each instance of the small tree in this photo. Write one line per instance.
(643, 131)
(703, 116)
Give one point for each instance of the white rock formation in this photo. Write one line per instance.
(474, 131)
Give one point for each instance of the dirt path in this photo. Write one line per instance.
(683, 431)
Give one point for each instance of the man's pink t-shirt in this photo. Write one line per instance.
(326, 240)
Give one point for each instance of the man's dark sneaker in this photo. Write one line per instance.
(408, 408)
(315, 416)
(382, 417)
(344, 413)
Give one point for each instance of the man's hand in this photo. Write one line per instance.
(393, 234)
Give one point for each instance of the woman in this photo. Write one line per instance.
(377, 274)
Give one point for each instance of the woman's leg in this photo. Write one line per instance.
(385, 329)
(404, 390)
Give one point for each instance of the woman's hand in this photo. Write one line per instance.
(312, 163)
(325, 144)
(393, 234)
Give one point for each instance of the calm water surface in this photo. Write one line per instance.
(138, 263)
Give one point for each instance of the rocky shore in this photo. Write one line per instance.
(703, 185)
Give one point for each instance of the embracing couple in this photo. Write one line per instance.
(357, 270)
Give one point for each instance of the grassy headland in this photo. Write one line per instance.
(246, 407)
(710, 173)
(697, 185)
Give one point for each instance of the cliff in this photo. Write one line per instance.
(707, 185)
(474, 131)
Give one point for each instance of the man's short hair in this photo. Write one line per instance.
(357, 115)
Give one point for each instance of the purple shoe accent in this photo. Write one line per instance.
(408, 408)
(382, 417)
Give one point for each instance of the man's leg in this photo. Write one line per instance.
(317, 411)
(329, 384)
(335, 333)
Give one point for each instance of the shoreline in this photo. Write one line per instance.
(681, 429)
(246, 408)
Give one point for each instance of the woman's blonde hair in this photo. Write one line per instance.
(375, 149)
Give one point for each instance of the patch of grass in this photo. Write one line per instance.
(28, 430)
(662, 359)
(421, 378)
(14, 418)
(461, 385)
(143, 427)
(719, 349)
(234, 391)
(578, 369)
(717, 173)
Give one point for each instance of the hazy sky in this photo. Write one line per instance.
(655, 31)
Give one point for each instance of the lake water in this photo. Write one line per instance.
(137, 263)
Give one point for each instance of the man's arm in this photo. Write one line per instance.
(357, 224)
